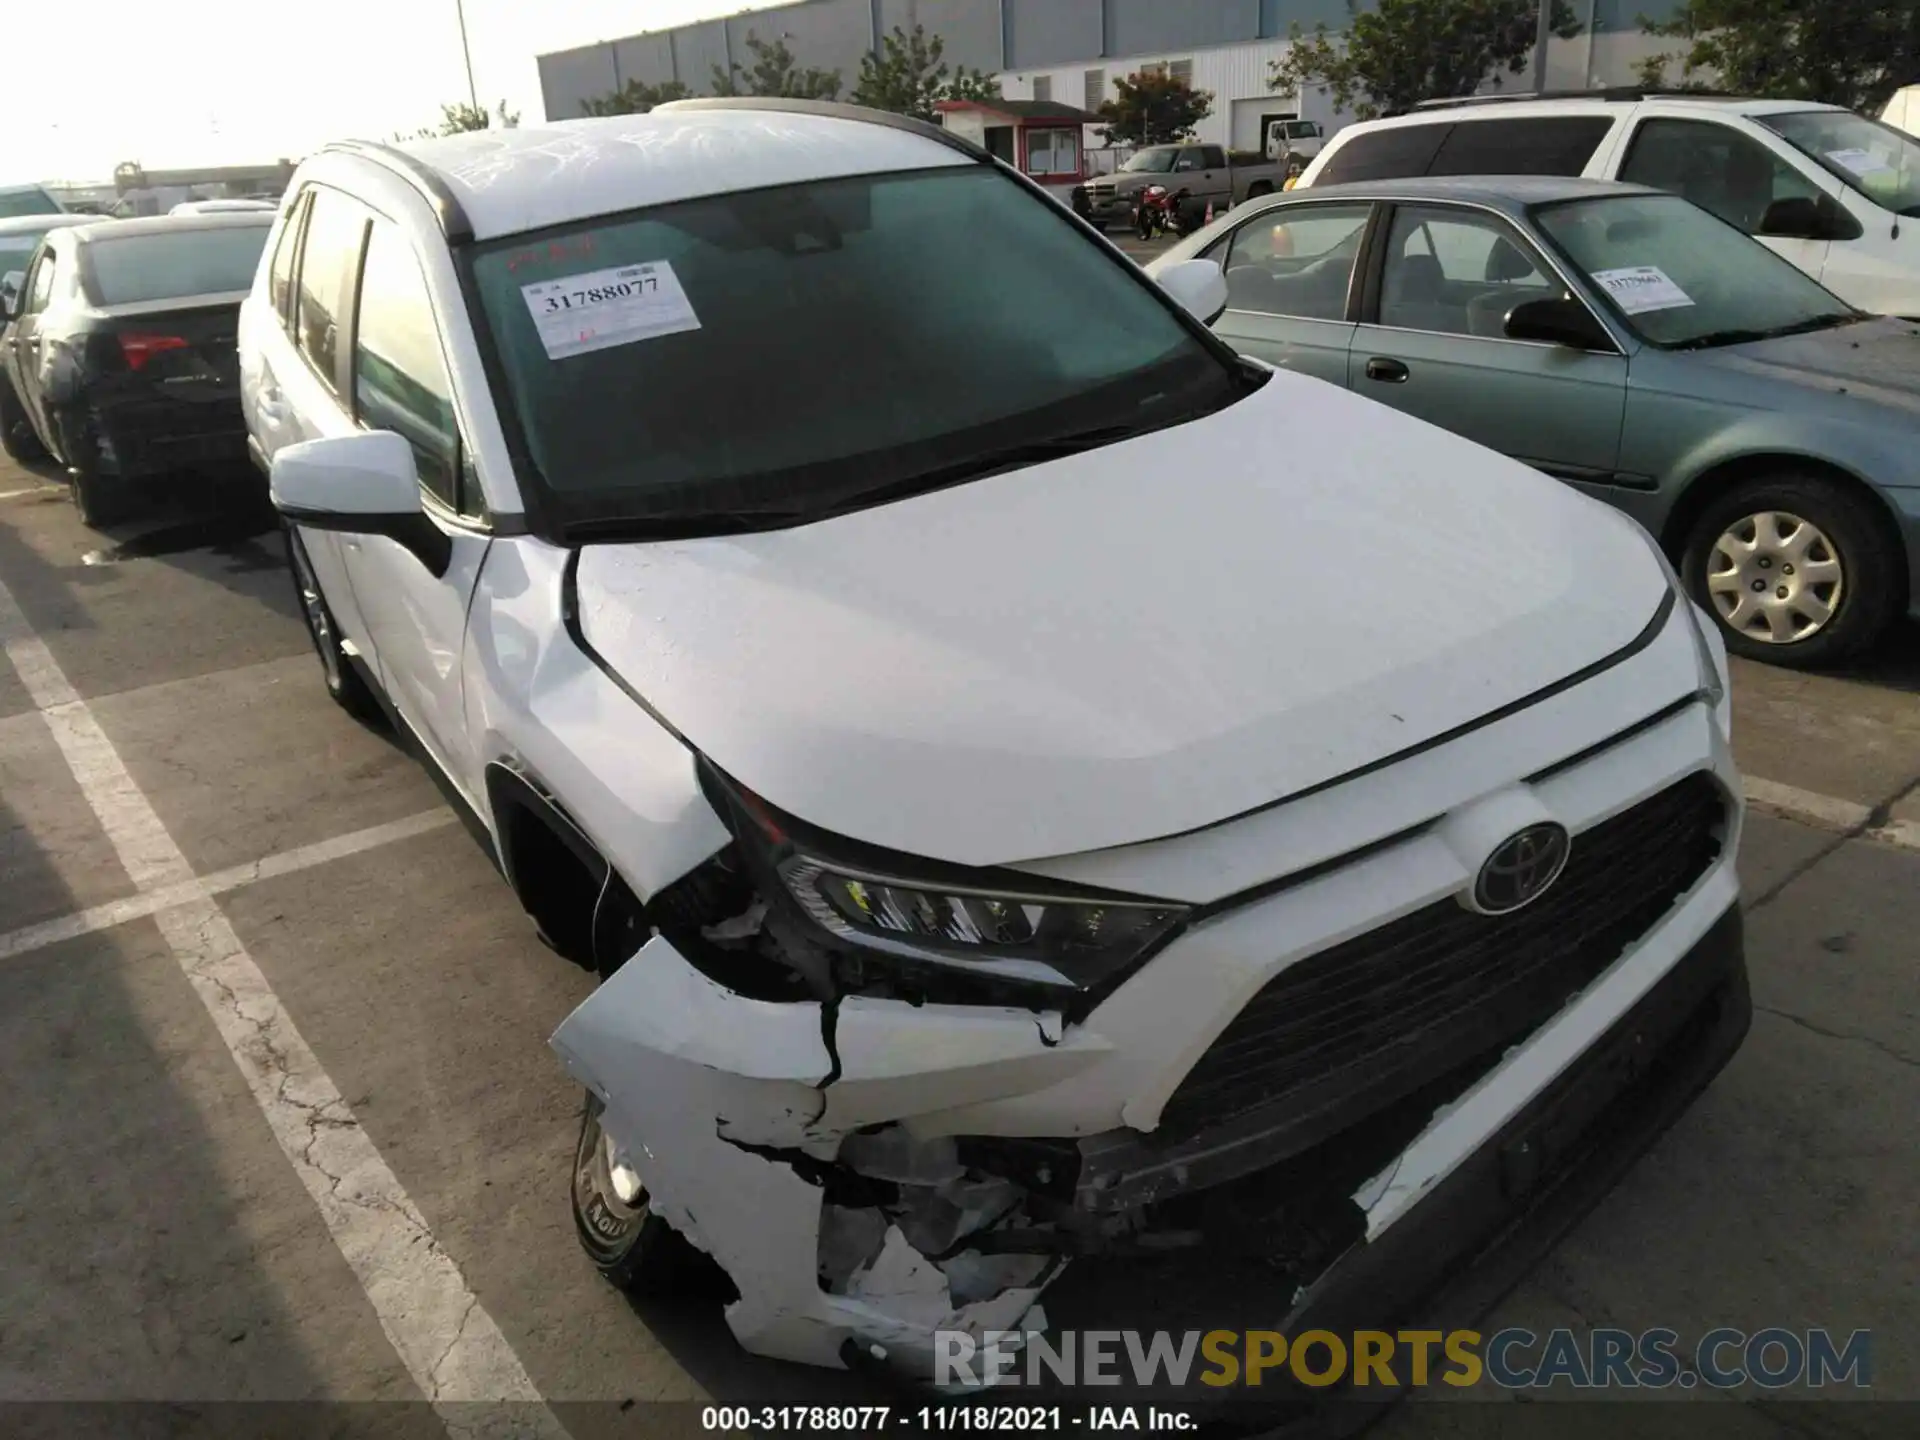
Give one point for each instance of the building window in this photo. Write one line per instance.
(1043, 87)
(1095, 93)
(1158, 67)
(1182, 71)
(1053, 152)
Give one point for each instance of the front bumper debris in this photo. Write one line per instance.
(801, 1146)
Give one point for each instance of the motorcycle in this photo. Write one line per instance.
(1153, 214)
(1160, 211)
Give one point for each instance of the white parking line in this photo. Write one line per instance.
(442, 1333)
(1828, 813)
(151, 902)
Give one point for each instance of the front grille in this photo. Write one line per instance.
(1386, 1011)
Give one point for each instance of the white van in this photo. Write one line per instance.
(1834, 192)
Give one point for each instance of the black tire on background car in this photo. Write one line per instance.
(631, 1246)
(1798, 568)
(101, 500)
(344, 683)
(16, 429)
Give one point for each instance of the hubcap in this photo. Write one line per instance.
(316, 610)
(608, 1192)
(1775, 578)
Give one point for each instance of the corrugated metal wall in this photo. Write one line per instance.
(1062, 39)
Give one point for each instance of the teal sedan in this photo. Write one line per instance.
(1632, 345)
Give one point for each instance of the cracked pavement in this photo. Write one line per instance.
(178, 1226)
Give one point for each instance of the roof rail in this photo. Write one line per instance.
(1616, 92)
(835, 109)
(447, 209)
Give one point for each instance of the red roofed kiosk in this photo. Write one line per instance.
(1043, 139)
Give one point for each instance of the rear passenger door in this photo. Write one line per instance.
(1289, 282)
(1432, 342)
(297, 393)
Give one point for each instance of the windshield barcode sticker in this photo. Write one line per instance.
(1637, 289)
(1860, 163)
(603, 308)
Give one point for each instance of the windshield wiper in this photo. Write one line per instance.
(696, 524)
(991, 462)
(1715, 338)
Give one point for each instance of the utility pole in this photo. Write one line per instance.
(1542, 36)
(473, 95)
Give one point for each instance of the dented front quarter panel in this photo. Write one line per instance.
(729, 1105)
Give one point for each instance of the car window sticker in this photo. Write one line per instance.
(598, 309)
(1637, 289)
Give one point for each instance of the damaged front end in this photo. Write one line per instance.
(895, 1102)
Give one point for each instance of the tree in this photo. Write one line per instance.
(458, 118)
(1151, 107)
(1406, 51)
(634, 98)
(909, 77)
(774, 73)
(1853, 53)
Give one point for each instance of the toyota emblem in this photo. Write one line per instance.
(1521, 869)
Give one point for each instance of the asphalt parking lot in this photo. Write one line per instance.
(280, 1122)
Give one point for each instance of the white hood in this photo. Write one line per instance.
(1128, 643)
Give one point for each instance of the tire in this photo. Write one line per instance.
(100, 500)
(634, 1250)
(1798, 569)
(16, 429)
(1259, 188)
(344, 683)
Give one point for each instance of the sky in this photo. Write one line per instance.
(90, 83)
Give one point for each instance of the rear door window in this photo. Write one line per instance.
(334, 228)
(280, 276)
(174, 264)
(1297, 261)
(40, 289)
(1534, 145)
(1394, 153)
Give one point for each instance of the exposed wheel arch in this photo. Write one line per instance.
(580, 906)
(1714, 480)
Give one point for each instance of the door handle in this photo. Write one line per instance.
(1391, 371)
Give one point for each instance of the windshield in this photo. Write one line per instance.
(768, 356)
(29, 201)
(1682, 278)
(172, 264)
(1156, 161)
(1875, 159)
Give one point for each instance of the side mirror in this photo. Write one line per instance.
(1200, 287)
(10, 285)
(1801, 217)
(1558, 321)
(363, 484)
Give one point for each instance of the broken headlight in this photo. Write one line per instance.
(996, 925)
(1038, 937)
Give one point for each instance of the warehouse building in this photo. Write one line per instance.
(1066, 51)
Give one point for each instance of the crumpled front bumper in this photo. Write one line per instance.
(741, 1116)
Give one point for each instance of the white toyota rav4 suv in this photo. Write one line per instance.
(1017, 781)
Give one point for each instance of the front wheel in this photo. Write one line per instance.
(344, 683)
(632, 1247)
(1798, 570)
